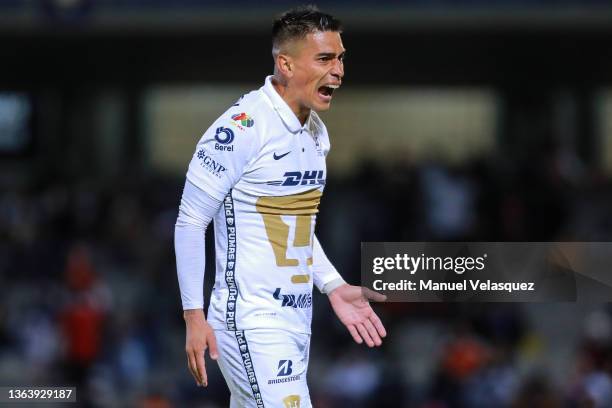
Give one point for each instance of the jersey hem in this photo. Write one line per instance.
(223, 327)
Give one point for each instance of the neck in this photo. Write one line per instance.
(284, 91)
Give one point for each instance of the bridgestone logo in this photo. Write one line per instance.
(284, 380)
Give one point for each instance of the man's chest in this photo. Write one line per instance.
(287, 164)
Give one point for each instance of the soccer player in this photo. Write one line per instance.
(259, 172)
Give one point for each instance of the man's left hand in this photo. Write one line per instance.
(352, 306)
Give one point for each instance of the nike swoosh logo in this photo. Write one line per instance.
(280, 156)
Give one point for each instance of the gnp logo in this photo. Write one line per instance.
(210, 164)
(301, 301)
(296, 178)
(224, 136)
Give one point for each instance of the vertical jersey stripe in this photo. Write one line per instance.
(230, 266)
(247, 362)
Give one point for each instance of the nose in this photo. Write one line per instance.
(338, 69)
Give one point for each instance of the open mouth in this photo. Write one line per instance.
(326, 91)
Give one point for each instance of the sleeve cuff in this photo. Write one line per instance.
(330, 286)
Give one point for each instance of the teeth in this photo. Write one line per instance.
(333, 86)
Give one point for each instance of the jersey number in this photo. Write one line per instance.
(303, 206)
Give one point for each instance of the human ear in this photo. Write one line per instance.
(284, 64)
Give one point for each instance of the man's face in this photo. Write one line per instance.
(318, 69)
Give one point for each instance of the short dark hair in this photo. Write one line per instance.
(301, 21)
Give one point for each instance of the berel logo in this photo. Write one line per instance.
(224, 136)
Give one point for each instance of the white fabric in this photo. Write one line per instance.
(269, 171)
(330, 286)
(326, 277)
(265, 367)
(195, 212)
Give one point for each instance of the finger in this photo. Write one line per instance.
(364, 334)
(354, 333)
(212, 346)
(201, 367)
(378, 324)
(372, 332)
(192, 367)
(372, 295)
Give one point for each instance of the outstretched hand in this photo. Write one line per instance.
(351, 305)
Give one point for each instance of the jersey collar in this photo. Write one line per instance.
(283, 110)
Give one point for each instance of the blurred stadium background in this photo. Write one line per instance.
(458, 120)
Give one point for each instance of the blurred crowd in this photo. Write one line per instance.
(89, 297)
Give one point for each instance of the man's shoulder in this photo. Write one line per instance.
(248, 113)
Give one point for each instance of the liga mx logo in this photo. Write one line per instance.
(224, 135)
(244, 119)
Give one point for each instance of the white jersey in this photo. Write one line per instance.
(269, 172)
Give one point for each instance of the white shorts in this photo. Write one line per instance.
(265, 367)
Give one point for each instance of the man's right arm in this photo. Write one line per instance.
(212, 173)
(195, 213)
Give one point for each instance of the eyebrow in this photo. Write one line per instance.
(330, 54)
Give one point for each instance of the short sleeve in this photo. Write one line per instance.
(221, 156)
